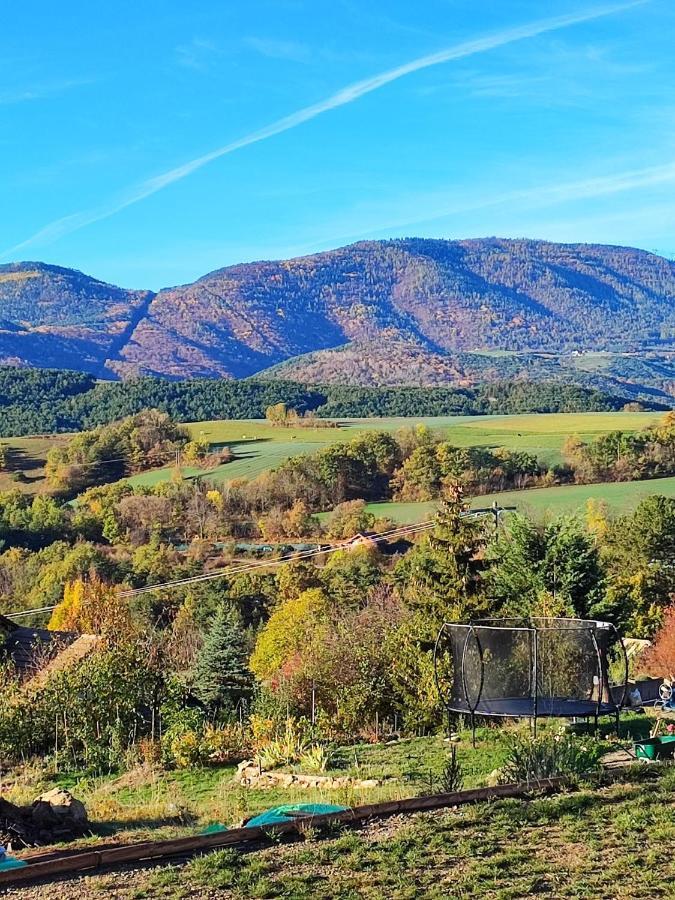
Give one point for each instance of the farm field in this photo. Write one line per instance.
(621, 496)
(26, 461)
(259, 446)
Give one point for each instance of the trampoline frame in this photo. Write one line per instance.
(533, 628)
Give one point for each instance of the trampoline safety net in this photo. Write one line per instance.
(529, 668)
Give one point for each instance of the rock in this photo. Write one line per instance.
(43, 815)
(493, 778)
(247, 772)
(54, 816)
(59, 806)
(369, 783)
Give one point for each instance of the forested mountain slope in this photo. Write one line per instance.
(423, 299)
(50, 316)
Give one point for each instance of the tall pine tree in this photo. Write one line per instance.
(221, 675)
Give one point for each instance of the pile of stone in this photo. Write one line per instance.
(54, 816)
(249, 774)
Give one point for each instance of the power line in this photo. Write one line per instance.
(401, 531)
(394, 533)
(28, 612)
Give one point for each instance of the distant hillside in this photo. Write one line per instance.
(643, 375)
(51, 316)
(407, 308)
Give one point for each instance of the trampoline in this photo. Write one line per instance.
(530, 668)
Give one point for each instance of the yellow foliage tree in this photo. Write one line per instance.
(597, 518)
(216, 499)
(92, 606)
(68, 612)
(289, 629)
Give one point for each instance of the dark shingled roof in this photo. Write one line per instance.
(30, 648)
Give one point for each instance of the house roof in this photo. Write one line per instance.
(31, 648)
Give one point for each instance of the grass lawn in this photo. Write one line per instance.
(538, 503)
(613, 842)
(145, 803)
(153, 803)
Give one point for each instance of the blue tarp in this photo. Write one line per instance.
(9, 862)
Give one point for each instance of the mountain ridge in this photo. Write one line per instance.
(420, 301)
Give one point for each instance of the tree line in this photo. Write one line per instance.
(41, 401)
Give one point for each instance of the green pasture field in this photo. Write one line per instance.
(620, 497)
(259, 446)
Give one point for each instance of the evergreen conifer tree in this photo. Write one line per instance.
(221, 675)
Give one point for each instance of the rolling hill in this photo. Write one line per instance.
(376, 312)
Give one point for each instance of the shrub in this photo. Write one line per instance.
(315, 759)
(452, 776)
(288, 747)
(186, 749)
(550, 756)
(228, 744)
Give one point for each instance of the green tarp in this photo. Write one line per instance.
(291, 811)
(286, 813)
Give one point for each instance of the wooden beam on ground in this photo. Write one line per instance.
(89, 860)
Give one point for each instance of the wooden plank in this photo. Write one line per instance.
(152, 850)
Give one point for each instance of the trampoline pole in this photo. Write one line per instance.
(535, 681)
(473, 729)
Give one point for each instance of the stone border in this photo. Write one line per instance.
(251, 775)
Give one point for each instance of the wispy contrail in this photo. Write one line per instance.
(346, 95)
(543, 195)
(531, 197)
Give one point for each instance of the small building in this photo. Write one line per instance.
(34, 651)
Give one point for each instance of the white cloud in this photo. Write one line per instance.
(275, 49)
(40, 91)
(196, 54)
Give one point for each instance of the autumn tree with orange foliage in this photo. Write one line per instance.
(660, 658)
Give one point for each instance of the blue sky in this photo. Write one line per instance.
(150, 142)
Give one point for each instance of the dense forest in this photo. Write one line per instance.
(41, 401)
